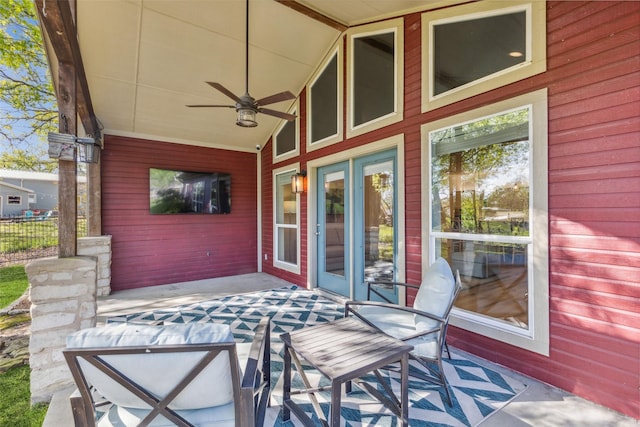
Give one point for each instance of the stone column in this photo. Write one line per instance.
(99, 247)
(63, 300)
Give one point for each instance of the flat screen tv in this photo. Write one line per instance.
(179, 192)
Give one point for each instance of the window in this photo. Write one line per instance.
(324, 103)
(33, 198)
(376, 78)
(479, 49)
(14, 200)
(286, 235)
(286, 139)
(488, 215)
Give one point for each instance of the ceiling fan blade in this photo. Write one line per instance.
(203, 105)
(279, 114)
(278, 97)
(224, 90)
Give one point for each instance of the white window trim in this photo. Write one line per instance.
(294, 268)
(338, 52)
(536, 40)
(296, 151)
(14, 196)
(536, 337)
(397, 27)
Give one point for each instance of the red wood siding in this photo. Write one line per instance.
(158, 249)
(593, 81)
(594, 204)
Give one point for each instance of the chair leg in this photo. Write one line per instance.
(445, 383)
(437, 376)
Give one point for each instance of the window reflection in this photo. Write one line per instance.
(480, 189)
(378, 222)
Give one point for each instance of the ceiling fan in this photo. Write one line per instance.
(247, 106)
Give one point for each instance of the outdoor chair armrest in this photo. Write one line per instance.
(259, 357)
(349, 304)
(349, 309)
(256, 380)
(370, 288)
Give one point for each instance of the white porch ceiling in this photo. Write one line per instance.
(146, 59)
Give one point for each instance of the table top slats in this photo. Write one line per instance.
(345, 348)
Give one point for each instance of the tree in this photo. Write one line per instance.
(21, 160)
(28, 108)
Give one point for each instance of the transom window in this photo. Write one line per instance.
(475, 48)
(286, 139)
(324, 102)
(468, 50)
(376, 82)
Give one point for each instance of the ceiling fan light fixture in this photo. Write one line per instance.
(246, 118)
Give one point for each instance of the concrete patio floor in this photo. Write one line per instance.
(539, 405)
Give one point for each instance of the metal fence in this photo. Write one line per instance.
(25, 239)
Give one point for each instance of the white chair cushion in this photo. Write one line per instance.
(400, 324)
(435, 293)
(218, 416)
(159, 373)
(396, 323)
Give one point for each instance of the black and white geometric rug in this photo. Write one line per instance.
(477, 392)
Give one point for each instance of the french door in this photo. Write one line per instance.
(333, 231)
(356, 225)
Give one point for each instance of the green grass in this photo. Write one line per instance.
(13, 283)
(15, 406)
(27, 235)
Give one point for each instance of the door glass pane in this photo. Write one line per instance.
(373, 77)
(324, 103)
(378, 222)
(334, 223)
(469, 50)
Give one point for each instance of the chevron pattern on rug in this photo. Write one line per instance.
(477, 391)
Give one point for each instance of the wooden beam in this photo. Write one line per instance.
(57, 19)
(313, 14)
(67, 171)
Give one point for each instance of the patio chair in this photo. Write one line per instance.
(424, 325)
(178, 374)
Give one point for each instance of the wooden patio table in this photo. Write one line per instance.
(343, 351)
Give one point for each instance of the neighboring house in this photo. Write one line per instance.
(516, 161)
(23, 191)
(42, 189)
(15, 200)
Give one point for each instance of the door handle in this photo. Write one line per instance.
(317, 229)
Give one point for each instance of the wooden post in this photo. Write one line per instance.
(94, 200)
(67, 171)
(58, 20)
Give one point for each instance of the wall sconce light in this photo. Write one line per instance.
(246, 118)
(298, 181)
(88, 150)
(63, 146)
